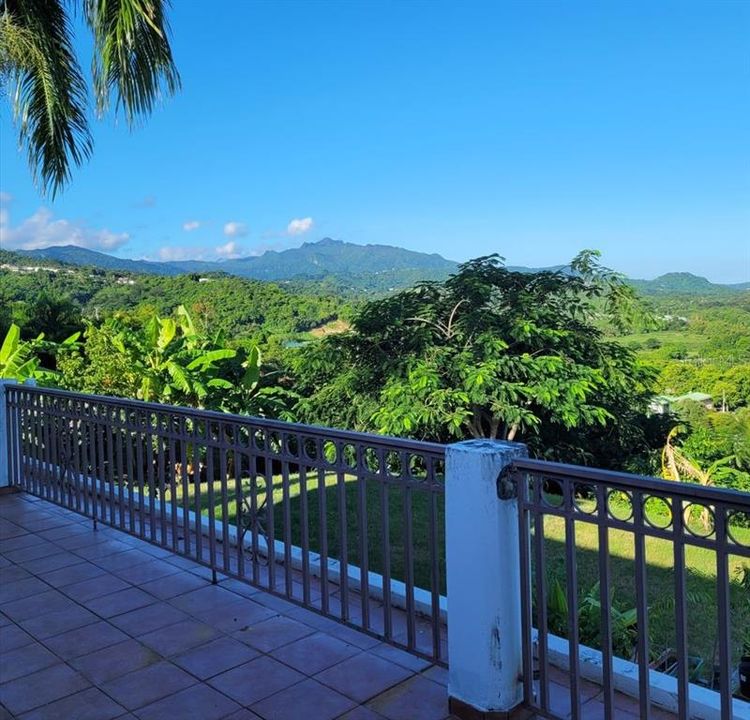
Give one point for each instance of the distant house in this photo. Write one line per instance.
(659, 405)
(662, 404)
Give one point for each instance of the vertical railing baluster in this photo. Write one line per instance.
(239, 458)
(411, 632)
(101, 462)
(271, 517)
(110, 414)
(224, 480)
(343, 533)
(76, 447)
(287, 519)
(197, 501)
(723, 612)
(434, 550)
(254, 509)
(524, 538)
(41, 488)
(540, 573)
(681, 646)
(161, 452)
(304, 522)
(131, 463)
(46, 450)
(641, 604)
(140, 438)
(211, 498)
(185, 437)
(322, 530)
(385, 531)
(150, 438)
(362, 529)
(172, 475)
(87, 450)
(119, 433)
(571, 576)
(605, 600)
(11, 415)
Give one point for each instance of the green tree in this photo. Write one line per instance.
(132, 62)
(488, 353)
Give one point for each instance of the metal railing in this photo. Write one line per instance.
(347, 524)
(603, 554)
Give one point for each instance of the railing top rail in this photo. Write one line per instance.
(626, 481)
(384, 441)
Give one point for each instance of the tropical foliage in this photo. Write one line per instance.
(21, 359)
(489, 353)
(168, 360)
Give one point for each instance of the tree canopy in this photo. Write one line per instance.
(489, 353)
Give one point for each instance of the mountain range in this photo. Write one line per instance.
(368, 268)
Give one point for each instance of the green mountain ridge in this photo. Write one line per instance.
(345, 267)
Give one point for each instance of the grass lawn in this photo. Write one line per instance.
(692, 342)
(701, 568)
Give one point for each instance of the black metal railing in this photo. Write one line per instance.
(625, 576)
(344, 523)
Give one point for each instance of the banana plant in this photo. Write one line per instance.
(677, 465)
(18, 358)
(174, 363)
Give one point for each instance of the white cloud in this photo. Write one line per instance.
(5, 197)
(235, 229)
(191, 225)
(229, 250)
(299, 226)
(169, 253)
(41, 231)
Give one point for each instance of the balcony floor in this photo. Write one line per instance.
(97, 625)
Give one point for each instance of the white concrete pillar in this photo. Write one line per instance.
(483, 576)
(4, 470)
(5, 479)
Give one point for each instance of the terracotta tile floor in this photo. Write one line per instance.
(100, 625)
(97, 625)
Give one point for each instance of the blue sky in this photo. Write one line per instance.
(532, 129)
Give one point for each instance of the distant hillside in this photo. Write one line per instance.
(73, 255)
(374, 268)
(344, 268)
(684, 283)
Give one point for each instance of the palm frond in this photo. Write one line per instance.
(49, 98)
(133, 58)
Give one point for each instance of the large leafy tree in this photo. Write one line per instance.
(132, 64)
(491, 353)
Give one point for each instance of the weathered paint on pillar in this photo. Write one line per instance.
(483, 575)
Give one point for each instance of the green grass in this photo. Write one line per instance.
(660, 580)
(347, 488)
(692, 342)
(700, 563)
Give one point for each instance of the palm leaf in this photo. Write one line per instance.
(49, 101)
(133, 58)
